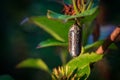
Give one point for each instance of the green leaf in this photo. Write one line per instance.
(51, 42)
(89, 25)
(84, 72)
(82, 63)
(95, 44)
(33, 63)
(98, 43)
(65, 18)
(90, 18)
(113, 46)
(68, 1)
(6, 77)
(96, 3)
(56, 28)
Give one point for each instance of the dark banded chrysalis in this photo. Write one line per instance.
(75, 40)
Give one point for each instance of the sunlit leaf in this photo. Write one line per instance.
(51, 42)
(6, 77)
(57, 29)
(65, 18)
(82, 63)
(33, 63)
(84, 72)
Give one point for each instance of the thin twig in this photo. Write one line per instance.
(112, 38)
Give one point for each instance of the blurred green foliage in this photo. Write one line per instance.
(6, 77)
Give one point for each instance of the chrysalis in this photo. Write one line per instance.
(75, 39)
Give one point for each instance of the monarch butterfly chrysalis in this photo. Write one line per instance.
(75, 40)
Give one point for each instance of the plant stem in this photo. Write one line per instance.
(75, 6)
(89, 4)
(112, 38)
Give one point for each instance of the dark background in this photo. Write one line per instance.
(18, 42)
